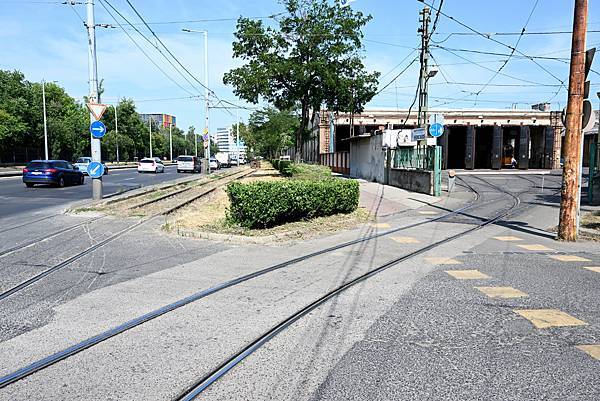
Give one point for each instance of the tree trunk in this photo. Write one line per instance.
(300, 132)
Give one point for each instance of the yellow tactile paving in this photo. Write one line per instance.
(380, 225)
(406, 240)
(592, 350)
(442, 261)
(508, 238)
(535, 247)
(544, 318)
(569, 258)
(593, 268)
(502, 292)
(428, 212)
(467, 274)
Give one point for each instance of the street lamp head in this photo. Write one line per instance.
(432, 71)
(186, 30)
(598, 94)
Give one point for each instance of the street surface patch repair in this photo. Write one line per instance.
(545, 318)
(467, 274)
(442, 261)
(406, 240)
(592, 350)
(569, 258)
(508, 238)
(502, 292)
(535, 247)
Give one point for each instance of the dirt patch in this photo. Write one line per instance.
(206, 218)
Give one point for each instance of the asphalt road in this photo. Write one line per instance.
(17, 201)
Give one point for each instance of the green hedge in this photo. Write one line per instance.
(266, 204)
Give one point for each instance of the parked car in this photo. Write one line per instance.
(242, 159)
(189, 163)
(214, 164)
(54, 172)
(83, 162)
(150, 165)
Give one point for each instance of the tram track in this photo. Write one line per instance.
(89, 342)
(212, 185)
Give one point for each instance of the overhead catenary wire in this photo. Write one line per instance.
(514, 49)
(102, 3)
(464, 25)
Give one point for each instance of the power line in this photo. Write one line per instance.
(139, 47)
(498, 42)
(511, 53)
(398, 75)
(148, 40)
(194, 21)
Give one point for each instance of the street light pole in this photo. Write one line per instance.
(93, 95)
(171, 141)
(206, 100)
(150, 130)
(237, 146)
(116, 130)
(45, 124)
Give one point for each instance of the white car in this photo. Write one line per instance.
(148, 165)
(188, 163)
(83, 162)
(213, 164)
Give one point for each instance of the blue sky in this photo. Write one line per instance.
(46, 39)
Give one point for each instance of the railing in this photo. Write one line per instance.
(337, 161)
(420, 158)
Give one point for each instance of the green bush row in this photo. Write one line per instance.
(284, 167)
(266, 204)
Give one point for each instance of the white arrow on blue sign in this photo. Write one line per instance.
(95, 169)
(436, 130)
(97, 129)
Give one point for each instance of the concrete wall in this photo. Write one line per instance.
(367, 158)
(412, 180)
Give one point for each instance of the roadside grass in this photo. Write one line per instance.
(303, 171)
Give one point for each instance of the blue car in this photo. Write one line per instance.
(53, 172)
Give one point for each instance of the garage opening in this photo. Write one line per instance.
(537, 147)
(457, 143)
(483, 147)
(510, 150)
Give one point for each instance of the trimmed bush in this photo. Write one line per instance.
(275, 164)
(266, 204)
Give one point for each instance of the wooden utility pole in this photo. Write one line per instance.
(569, 204)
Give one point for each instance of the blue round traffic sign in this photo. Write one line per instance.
(95, 169)
(436, 130)
(97, 129)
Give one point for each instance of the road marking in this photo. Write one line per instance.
(442, 261)
(569, 258)
(406, 240)
(544, 318)
(592, 350)
(428, 212)
(535, 247)
(508, 238)
(593, 268)
(467, 274)
(502, 292)
(127, 179)
(380, 225)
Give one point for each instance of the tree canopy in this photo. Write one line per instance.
(312, 57)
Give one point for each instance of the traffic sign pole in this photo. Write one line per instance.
(93, 97)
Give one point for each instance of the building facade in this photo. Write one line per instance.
(164, 120)
(472, 139)
(226, 142)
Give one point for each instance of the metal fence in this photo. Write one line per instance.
(337, 161)
(419, 158)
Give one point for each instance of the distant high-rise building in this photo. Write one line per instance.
(226, 141)
(160, 119)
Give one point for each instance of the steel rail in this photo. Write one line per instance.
(39, 276)
(197, 388)
(91, 341)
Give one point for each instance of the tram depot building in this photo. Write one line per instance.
(472, 139)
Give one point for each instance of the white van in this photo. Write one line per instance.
(189, 163)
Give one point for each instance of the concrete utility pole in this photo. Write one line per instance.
(45, 124)
(206, 101)
(237, 146)
(569, 203)
(116, 130)
(93, 95)
(150, 132)
(424, 73)
(171, 141)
